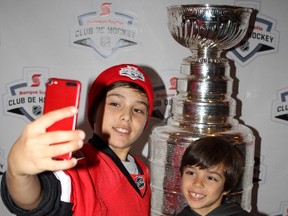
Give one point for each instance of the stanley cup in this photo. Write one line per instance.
(203, 105)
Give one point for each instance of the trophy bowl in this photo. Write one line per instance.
(197, 26)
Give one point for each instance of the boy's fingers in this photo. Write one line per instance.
(63, 148)
(50, 118)
(54, 165)
(62, 136)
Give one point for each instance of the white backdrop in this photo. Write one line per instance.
(39, 39)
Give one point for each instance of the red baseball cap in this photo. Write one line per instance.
(125, 73)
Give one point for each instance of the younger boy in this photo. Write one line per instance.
(210, 168)
(106, 180)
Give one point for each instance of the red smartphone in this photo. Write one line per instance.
(61, 93)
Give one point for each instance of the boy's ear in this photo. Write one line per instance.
(226, 192)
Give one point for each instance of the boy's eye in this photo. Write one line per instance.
(141, 111)
(114, 104)
(212, 178)
(189, 172)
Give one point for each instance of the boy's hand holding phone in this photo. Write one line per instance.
(62, 93)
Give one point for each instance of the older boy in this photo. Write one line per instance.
(107, 179)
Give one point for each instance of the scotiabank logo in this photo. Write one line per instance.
(36, 79)
(105, 30)
(105, 9)
(25, 98)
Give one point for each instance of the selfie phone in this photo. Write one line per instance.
(62, 93)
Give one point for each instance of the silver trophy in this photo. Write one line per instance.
(203, 104)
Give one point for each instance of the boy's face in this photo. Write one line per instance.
(203, 189)
(121, 118)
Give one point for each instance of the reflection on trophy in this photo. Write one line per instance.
(203, 105)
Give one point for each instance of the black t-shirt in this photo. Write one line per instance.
(222, 210)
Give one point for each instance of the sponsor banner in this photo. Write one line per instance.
(280, 107)
(105, 30)
(263, 38)
(24, 98)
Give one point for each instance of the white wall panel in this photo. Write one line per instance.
(37, 35)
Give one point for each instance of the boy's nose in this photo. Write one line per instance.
(126, 115)
(198, 182)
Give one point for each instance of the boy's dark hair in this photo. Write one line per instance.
(210, 151)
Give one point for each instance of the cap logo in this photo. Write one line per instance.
(132, 72)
